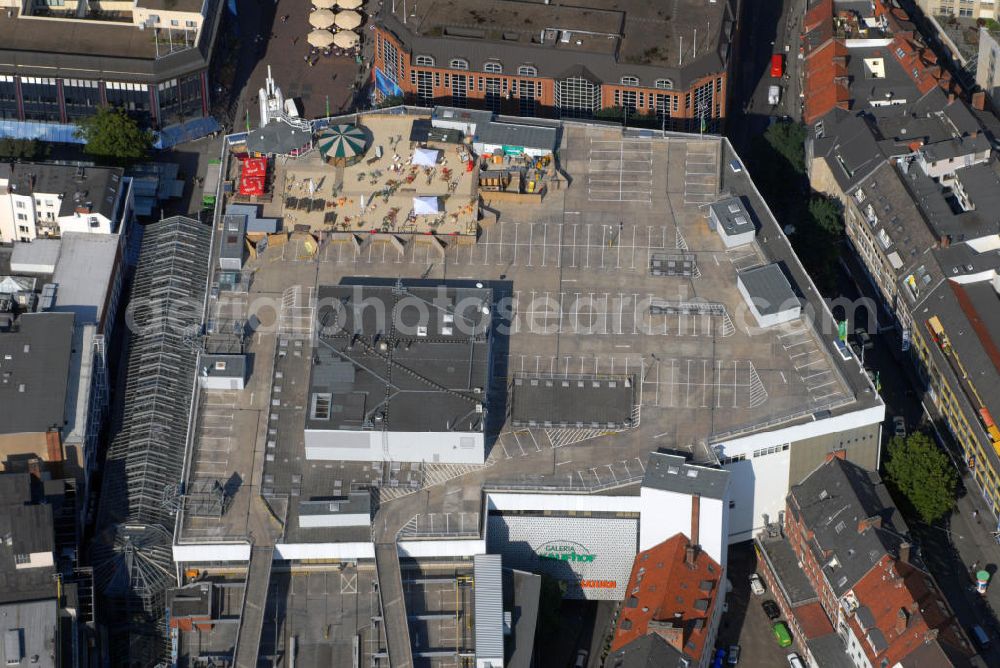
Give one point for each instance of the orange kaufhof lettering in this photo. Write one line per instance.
(598, 584)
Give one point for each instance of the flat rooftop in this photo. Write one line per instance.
(83, 274)
(376, 194)
(34, 372)
(640, 33)
(582, 401)
(407, 357)
(573, 292)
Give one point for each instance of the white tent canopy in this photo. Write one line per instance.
(423, 206)
(425, 157)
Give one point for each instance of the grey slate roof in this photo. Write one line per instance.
(30, 527)
(832, 501)
(488, 603)
(517, 134)
(277, 138)
(829, 651)
(648, 651)
(785, 565)
(417, 383)
(769, 288)
(34, 379)
(605, 402)
(733, 216)
(508, 31)
(235, 366)
(98, 186)
(672, 473)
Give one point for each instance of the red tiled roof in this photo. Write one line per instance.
(812, 620)
(666, 589)
(908, 610)
(825, 85)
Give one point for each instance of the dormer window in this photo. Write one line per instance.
(664, 84)
(492, 67)
(527, 71)
(630, 81)
(459, 64)
(424, 61)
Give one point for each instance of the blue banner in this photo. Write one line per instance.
(386, 86)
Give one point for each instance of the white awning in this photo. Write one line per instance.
(426, 205)
(425, 157)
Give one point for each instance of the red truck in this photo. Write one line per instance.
(777, 65)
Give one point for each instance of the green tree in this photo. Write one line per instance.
(922, 473)
(824, 214)
(22, 149)
(788, 140)
(113, 135)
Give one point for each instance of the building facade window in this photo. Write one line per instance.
(630, 81)
(390, 58)
(459, 64)
(8, 97)
(40, 96)
(492, 67)
(493, 99)
(459, 86)
(132, 97)
(664, 84)
(527, 71)
(425, 87)
(577, 97)
(82, 98)
(424, 61)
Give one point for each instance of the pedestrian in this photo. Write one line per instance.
(294, 40)
(284, 18)
(975, 514)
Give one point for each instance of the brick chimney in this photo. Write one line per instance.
(695, 519)
(979, 100)
(904, 552)
(690, 553)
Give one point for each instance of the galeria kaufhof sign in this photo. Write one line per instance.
(561, 550)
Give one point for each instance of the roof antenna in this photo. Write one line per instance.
(681, 51)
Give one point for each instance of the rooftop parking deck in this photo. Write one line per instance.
(575, 296)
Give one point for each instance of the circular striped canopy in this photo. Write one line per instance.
(350, 4)
(341, 141)
(324, 4)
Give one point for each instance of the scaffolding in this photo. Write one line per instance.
(132, 553)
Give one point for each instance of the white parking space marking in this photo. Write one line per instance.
(704, 383)
(620, 171)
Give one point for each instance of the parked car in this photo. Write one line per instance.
(581, 659)
(756, 586)
(781, 634)
(771, 609)
(734, 655)
(979, 635)
(720, 658)
(899, 426)
(794, 661)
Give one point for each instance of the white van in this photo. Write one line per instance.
(794, 661)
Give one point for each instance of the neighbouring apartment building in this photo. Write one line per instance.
(62, 59)
(672, 607)
(853, 589)
(541, 59)
(987, 75)
(49, 200)
(914, 167)
(973, 9)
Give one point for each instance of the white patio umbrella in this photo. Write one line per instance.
(346, 39)
(321, 18)
(321, 39)
(350, 4)
(424, 206)
(349, 19)
(324, 4)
